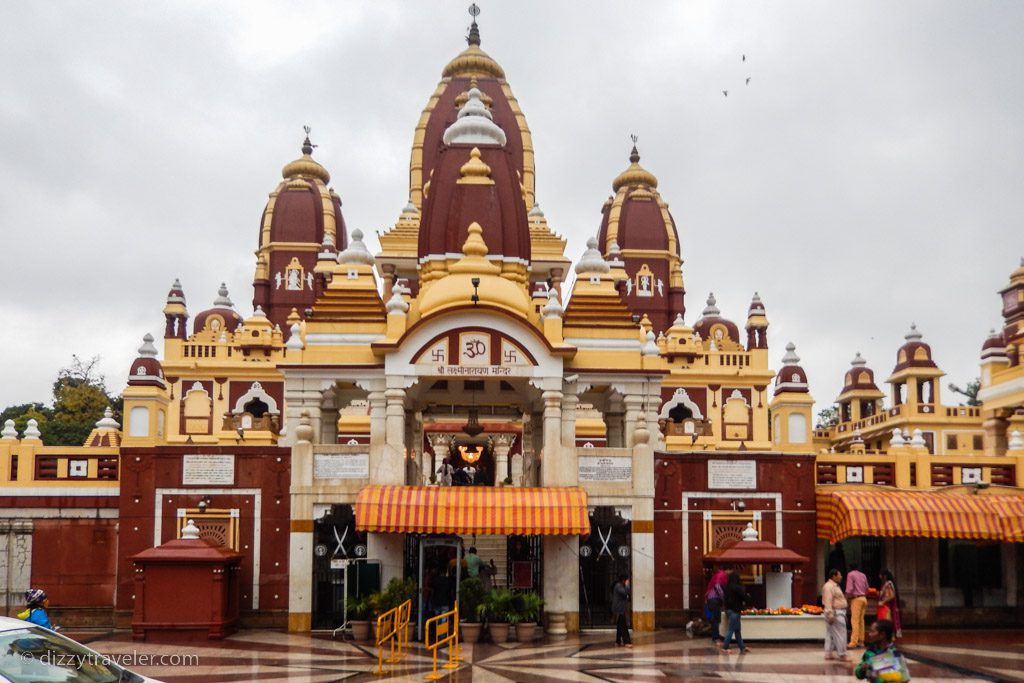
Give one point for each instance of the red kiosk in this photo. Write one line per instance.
(186, 589)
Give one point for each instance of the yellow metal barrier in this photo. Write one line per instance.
(445, 631)
(392, 627)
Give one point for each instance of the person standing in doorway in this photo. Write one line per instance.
(620, 605)
(473, 563)
(735, 598)
(834, 602)
(857, 595)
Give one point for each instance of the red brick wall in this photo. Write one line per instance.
(73, 560)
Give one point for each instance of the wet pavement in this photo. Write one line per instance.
(664, 656)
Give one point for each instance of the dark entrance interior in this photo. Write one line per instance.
(339, 564)
(603, 557)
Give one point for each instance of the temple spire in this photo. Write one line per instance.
(474, 31)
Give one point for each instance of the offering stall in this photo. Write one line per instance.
(778, 619)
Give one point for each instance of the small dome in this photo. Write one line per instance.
(791, 377)
(713, 328)
(177, 294)
(994, 346)
(859, 377)
(756, 307)
(146, 370)
(222, 316)
(475, 125)
(914, 353)
(635, 174)
(305, 166)
(357, 251)
(592, 261)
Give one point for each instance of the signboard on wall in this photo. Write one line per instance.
(341, 465)
(732, 474)
(597, 468)
(200, 470)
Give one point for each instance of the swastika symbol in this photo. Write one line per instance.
(511, 356)
(437, 355)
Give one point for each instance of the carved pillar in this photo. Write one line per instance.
(634, 407)
(392, 464)
(526, 453)
(439, 443)
(502, 445)
(613, 417)
(552, 438)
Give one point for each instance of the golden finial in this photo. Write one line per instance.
(475, 171)
(475, 245)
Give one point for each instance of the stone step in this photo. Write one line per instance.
(492, 548)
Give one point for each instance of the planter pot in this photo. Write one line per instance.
(499, 632)
(360, 630)
(525, 631)
(471, 631)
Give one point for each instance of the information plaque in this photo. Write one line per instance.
(341, 465)
(598, 468)
(197, 470)
(732, 474)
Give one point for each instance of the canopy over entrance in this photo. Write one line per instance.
(924, 514)
(753, 552)
(473, 510)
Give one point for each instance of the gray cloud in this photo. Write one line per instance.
(869, 176)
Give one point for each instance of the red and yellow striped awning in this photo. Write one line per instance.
(924, 514)
(473, 510)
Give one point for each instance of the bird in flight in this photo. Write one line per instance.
(744, 58)
(725, 92)
(748, 80)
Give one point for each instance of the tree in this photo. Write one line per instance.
(79, 399)
(828, 417)
(970, 391)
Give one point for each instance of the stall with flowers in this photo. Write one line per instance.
(778, 620)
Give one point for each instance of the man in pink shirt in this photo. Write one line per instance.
(856, 592)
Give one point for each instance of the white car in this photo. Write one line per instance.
(33, 654)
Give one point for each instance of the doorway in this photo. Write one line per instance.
(339, 566)
(604, 556)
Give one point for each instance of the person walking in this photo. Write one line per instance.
(735, 598)
(857, 595)
(881, 661)
(37, 601)
(889, 602)
(620, 605)
(473, 563)
(834, 602)
(713, 596)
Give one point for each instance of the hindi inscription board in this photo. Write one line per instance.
(341, 465)
(198, 469)
(732, 474)
(598, 468)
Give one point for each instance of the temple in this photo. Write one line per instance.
(592, 422)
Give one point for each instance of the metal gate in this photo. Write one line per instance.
(525, 555)
(604, 556)
(336, 544)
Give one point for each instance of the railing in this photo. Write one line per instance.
(393, 629)
(445, 631)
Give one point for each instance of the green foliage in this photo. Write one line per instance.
(498, 607)
(828, 417)
(359, 608)
(79, 399)
(970, 391)
(394, 594)
(527, 607)
(471, 594)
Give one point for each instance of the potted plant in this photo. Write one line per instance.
(394, 594)
(525, 614)
(471, 595)
(359, 617)
(497, 608)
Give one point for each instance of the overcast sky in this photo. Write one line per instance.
(869, 176)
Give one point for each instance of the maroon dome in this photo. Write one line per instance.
(146, 369)
(914, 353)
(994, 346)
(859, 377)
(221, 316)
(791, 377)
(713, 327)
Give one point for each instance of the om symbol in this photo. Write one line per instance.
(475, 347)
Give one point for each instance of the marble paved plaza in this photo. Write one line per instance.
(664, 657)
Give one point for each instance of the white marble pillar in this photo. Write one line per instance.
(301, 395)
(300, 545)
(502, 445)
(552, 438)
(634, 407)
(391, 468)
(562, 584)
